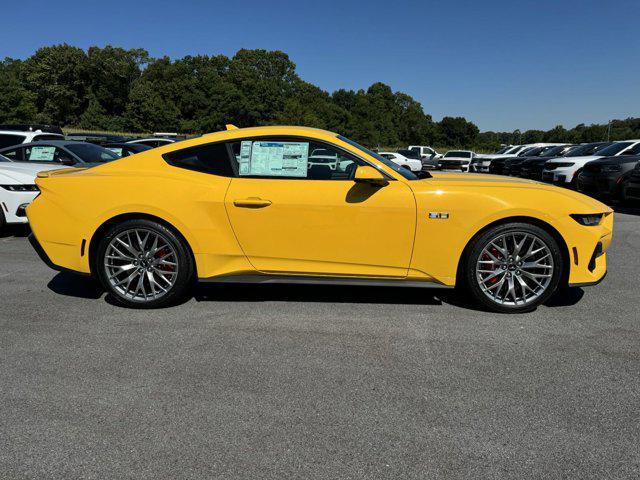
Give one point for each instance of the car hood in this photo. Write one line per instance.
(490, 156)
(476, 180)
(576, 160)
(622, 159)
(23, 173)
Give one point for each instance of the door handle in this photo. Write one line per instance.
(252, 202)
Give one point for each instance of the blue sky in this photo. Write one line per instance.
(503, 64)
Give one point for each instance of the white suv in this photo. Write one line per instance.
(456, 160)
(564, 171)
(9, 138)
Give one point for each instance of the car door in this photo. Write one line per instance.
(293, 218)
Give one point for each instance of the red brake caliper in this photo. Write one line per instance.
(496, 254)
(160, 254)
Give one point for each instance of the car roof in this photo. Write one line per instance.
(126, 145)
(276, 130)
(55, 143)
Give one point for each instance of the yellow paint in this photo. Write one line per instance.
(318, 227)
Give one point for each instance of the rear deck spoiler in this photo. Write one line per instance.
(60, 171)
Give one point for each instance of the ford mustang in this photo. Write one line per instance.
(251, 205)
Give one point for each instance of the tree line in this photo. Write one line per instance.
(116, 89)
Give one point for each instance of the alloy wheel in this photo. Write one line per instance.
(515, 268)
(141, 265)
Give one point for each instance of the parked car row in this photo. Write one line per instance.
(607, 170)
(26, 150)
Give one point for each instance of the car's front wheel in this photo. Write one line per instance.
(144, 264)
(513, 268)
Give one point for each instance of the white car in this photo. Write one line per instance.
(456, 160)
(564, 171)
(18, 188)
(424, 151)
(8, 138)
(410, 163)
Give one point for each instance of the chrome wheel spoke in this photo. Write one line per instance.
(504, 275)
(141, 264)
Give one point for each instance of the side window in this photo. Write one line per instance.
(8, 140)
(15, 154)
(212, 158)
(40, 153)
(293, 158)
(635, 150)
(119, 151)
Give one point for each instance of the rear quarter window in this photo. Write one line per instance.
(212, 159)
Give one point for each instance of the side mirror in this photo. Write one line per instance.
(67, 161)
(366, 174)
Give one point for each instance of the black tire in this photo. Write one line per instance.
(470, 280)
(3, 222)
(185, 266)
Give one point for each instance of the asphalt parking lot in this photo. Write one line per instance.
(317, 382)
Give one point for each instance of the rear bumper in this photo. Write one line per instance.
(45, 258)
(41, 253)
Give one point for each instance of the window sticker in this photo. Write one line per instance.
(117, 151)
(42, 154)
(274, 159)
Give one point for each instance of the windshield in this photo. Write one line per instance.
(515, 150)
(393, 166)
(410, 154)
(4, 159)
(554, 151)
(614, 149)
(588, 149)
(531, 152)
(503, 150)
(457, 154)
(91, 153)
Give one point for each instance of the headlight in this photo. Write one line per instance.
(590, 220)
(20, 188)
(563, 164)
(611, 168)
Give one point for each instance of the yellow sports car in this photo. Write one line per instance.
(294, 204)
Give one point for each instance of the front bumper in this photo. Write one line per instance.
(588, 253)
(598, 185)
(454, 165)
(560, 177)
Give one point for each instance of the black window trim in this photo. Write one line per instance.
(234, 168)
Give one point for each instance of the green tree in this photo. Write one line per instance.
(17, 103)
(148, 110)
(59, 77)
(458, 132)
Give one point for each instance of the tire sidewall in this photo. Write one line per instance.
(478, 244)
(185, 261)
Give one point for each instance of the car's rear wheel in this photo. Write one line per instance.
(3, 222)
(144, 264)
(513, 268)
